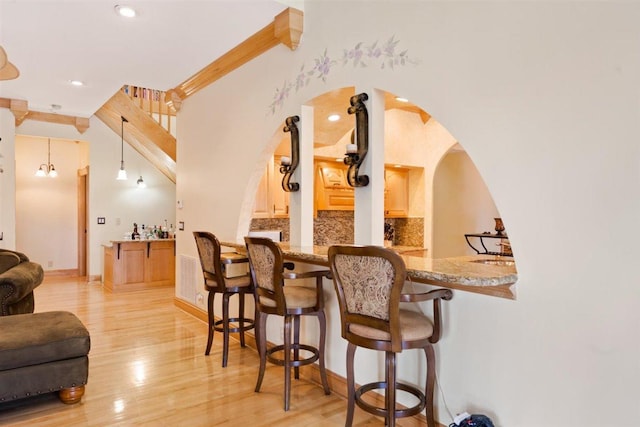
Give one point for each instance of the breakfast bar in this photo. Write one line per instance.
(484, 274)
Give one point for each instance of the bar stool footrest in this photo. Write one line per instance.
(382, 412)
(218, 325)
(315, 354)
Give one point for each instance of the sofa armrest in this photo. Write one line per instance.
(19, 281)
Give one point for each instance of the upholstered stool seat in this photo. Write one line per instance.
(42, 353)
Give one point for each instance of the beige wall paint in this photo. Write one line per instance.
(462, 204)
(532, 91)
(47, 208)
(7, 180)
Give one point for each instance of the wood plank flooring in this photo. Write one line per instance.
(147, 367)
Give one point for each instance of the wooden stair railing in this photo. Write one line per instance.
(142, 132)
(152, 102)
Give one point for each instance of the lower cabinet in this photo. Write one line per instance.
(131, 265)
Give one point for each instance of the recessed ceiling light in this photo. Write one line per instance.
(333, 118)
(126, 11)
(400, 99)
(76, 82)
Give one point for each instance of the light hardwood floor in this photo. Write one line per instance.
(147, 367)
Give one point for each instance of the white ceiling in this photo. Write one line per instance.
(54, 41)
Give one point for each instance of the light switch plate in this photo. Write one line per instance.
(181, 225)
(101, 220)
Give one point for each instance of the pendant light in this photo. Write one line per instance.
(122, 174)
(141, 183)
(47, 169)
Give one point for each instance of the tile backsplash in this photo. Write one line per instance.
(336, 227)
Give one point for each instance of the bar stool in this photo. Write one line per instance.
(215, 282)
(291, 302)
(369, 282)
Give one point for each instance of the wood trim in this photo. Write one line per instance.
(72, 272)
(286, 28)
(21, 112)
(82, 184)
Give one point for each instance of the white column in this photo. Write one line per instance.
(7, 179)
(369, 200)
(301, 201)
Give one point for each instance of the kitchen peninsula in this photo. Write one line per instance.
(138, 264)
(484, 274)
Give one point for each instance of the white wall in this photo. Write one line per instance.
(462, 204)
(47, 208)
(7, 180)
(117, 201)
(545, 93)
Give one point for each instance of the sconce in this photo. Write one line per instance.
(357, 150)
(289, 165)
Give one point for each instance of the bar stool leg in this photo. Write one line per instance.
(390, 390)
(211, 321)
(351, 384)
(225, 328)
(262, 350)
(322, 320)
(241, 316)
(296, 344)
(287, 361)
(428, 391)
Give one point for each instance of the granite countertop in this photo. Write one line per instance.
(111, 242)
(464, 272)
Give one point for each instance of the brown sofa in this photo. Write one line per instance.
(39, 352)
(18, 278)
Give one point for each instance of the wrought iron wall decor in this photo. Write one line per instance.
(289, 165)
(357, 151)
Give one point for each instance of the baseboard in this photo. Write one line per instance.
(95, 278)
(73, 272)
(311, 373)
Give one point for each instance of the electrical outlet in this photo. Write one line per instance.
(50, 264)
(200, 299)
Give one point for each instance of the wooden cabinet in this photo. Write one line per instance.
(396, 193)
(131, 265)
(271, 200)
(332, 193)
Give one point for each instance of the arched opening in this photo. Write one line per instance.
(434, 194)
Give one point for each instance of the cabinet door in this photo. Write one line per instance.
(160, 263)
(132, 262)
(279, 197)
(261, 207)
(396, 193)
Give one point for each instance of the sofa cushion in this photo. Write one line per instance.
(8, 260)
(32, 339)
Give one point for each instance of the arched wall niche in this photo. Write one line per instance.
(447, 193)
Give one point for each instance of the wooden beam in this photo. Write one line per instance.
(20, 110)
(286, 28)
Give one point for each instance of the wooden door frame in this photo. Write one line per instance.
(83, 178)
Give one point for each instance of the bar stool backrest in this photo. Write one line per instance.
(368, 282)
(266, 265)
(209, 253)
